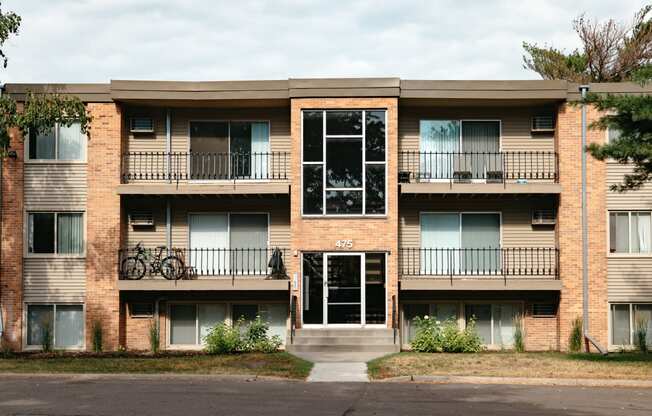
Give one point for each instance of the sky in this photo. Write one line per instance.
(100, 40)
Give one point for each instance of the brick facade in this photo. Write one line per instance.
(104, 223)
(368, 234)
(11, 251)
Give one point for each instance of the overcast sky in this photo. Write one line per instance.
(99, 40)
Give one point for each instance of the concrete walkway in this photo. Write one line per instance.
(339, 366)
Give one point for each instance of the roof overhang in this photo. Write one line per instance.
(86, 92)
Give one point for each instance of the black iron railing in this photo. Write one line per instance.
(208, 261)
(512, 261)
(496, 167)
(182, 166)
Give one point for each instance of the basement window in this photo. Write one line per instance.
(543, 310)
(141, 310)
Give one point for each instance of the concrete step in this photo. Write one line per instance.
(342, 348)
(343, 340)
(345, 332)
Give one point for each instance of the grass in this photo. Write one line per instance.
(278, 364)
(508, 364)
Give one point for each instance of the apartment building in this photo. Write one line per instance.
(384, 199)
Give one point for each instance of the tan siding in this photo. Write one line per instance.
(55, 186)
(630, 279)
(515, 125)
(638, 199)
(60, 280)
(517, 230)
(150, 236)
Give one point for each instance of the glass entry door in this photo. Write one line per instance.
(344, 284)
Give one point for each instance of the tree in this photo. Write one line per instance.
(40, 112)
(611, 51)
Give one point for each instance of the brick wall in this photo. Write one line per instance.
(11, 251)
(104, 227)
(368, 234)
(569, 227)
(541, 333)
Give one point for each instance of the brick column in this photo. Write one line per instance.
(11, 251)
(569, 228)
(103, 228)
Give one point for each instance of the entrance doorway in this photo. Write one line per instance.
(344, 289)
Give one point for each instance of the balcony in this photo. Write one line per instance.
(210, 173)
(203, 269)
(513, 268)
(479, 172)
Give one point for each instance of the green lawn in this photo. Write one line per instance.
(510, 364)
(278, 364)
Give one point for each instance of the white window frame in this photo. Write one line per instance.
(228, 122)
(629, 253)
(363, 136)
(54, 305)
(56, 159)
(26, 252)
(632, 324)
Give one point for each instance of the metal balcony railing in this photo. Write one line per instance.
(205, 261)
(490, 167)
(183, 166)
(487, 262)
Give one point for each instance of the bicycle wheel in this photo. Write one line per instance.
(172, 268)
(132, 268)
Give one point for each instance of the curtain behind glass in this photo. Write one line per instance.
(440, 243)
(482, 316)
(439, 143)
(480, 144)
(275, 314)
(183, 330)
(39, 317)
(618, 232)
(620, 330)
(70, 233)
(248, 241)
(42, 146)
(71, 143)
(69, 324)
(504, 315)
(209, 243)
(259, 150)
(640, 232)
(209, 315)
(643, 316)
(481, 239)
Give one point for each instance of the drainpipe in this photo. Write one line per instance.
(584, 89)
(2, 89)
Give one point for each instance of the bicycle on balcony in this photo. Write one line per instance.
(134, 267)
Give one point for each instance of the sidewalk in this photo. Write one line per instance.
(531, 381)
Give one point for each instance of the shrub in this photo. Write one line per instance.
(640, 334)
(5, 349)
(433, 336)
(575, 337)
(154, 337)
(97, 336)
(519, 335)
(241, 337)
(46, 340)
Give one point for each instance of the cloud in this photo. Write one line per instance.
(98, 40)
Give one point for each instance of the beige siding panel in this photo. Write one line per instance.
(55, 186)
(48, 280)
(630, 279)
(517, 230)
(150, 236)
(515, 125)
(630, 200)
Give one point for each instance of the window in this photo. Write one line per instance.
(544, 310)
(225, 150)
(59, 143)
(494, 322)
(460, 243)
(64, 324)
(191, 323)
(613, 134)
(627, 319)
(55, 233)
(441, 312)
(344, 168)
(141, 310)
(223, 242)
(629, 231)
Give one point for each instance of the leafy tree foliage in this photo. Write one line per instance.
(39, 111)
(611, 51)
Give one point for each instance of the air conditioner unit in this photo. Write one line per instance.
(141, 219)
(543, 123)
(142, 125)
(544, 217)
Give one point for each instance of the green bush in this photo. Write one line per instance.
(519, 335)
(433, 336)
(97, 336)
(46, 340)
(154, 337)
(241, 337)
(640, 334)
(575, 337)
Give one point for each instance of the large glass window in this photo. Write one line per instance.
(627, 319)
(58, 143)
(344, 168)
(494, 322)
(55, 232)
(441, 312)
(629, 232)
(63, 324)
